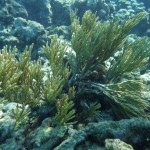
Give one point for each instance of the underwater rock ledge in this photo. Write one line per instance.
(135, 132)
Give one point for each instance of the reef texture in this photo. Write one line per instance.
(77, 94)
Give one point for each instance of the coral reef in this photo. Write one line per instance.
(126, 9)
(38, 24)
(75, 95)
(117, 144)
(94, 135)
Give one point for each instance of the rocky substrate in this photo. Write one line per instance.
(125, 134)
(23, 22)
(21, 25)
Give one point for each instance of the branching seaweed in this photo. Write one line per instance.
(134, 56)
(65, 112)
(20, 114)
(59, 73)
(94, 42)
(9, 74)
(21, 80)
(126, 98)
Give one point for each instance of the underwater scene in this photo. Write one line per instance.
(74, 74)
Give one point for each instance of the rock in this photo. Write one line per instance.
(29, 32)
(10, 9)
(1, 114)
(11, 144)
(61, 12)
(11, 138)
(9, 107)
(15, 141)
(41, 13)
(10, 40)
(6, 128)
(45, 137)
(129, 8)
(116, 144)
(62, 31)
(22, 25)
(103, 8)
(22, 33)
(16, 30)
(146, 77)
(134, 131)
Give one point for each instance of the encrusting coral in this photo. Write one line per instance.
(94, 43)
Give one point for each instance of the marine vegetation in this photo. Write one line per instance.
(95, 43)
(68, 86)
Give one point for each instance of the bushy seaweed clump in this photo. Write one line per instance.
(94, 44)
